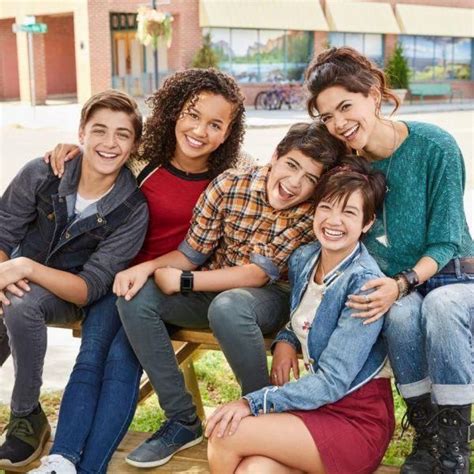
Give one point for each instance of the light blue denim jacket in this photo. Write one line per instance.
(345, 354)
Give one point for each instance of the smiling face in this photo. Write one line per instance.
(339, 225)
(292, 179)
(203, 126)
(108, 139)
(349, 116)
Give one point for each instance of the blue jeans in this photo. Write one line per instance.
(101, 395)
(238, 318)
(429, 335)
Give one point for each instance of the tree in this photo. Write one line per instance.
(206, 56)
(397, 70)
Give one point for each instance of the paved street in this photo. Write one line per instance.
(24, 135)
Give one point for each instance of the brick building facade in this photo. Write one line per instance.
(90, 44)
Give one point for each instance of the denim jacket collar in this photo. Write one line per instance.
(70, 181)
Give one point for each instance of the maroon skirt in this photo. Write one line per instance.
(353, 433)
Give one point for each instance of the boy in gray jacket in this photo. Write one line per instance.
(61, 243)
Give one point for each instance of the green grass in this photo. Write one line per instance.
(217, 385)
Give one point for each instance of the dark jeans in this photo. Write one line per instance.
(26, 319)
(239, 318)
(101, 395)
(4, 345)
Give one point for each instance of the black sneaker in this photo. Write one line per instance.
(25, 439)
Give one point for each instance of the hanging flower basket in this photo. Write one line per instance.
(153, 25)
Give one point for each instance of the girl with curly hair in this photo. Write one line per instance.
(193, 133)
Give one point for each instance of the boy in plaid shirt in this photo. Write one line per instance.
(245, 227)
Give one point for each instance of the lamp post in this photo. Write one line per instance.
(153, 26)
(156, 74)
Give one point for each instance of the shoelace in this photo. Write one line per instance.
(418, 440)
(20, 426)
(161, 432)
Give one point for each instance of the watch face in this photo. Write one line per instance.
(186, 282)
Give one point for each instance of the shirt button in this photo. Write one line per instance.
(67, 235)
(100, 220)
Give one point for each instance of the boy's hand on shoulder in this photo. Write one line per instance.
(168, 280)
(285, 359)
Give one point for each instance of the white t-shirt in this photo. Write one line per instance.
(304, 314)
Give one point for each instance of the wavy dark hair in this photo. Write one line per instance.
(349, 69)
(352, 174)
(159, 140)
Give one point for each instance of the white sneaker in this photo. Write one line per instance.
(55, 464)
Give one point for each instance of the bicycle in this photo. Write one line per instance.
(290, 95)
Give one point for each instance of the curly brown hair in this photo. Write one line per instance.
(159, 140)
(349, 69)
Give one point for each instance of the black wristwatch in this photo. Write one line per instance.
(187, 282)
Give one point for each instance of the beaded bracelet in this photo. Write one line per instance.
(407, 281)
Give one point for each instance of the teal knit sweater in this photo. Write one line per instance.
(424, 211)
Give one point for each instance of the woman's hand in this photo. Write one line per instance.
(227, 418)
(62, 152)
(18, 289)
(168, 280)
(377, 303)
(284, 360)
(129, 282)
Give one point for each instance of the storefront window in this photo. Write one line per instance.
(461, 66)
(221, 45)
(272, 55)
(437, 58)
(369, 44)
(244, 52)
(299, 49)
(262, 55)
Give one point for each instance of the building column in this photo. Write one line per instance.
(321, 41)
(390, 43)
(24, 66)
(93, 49)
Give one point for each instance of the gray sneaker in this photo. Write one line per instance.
(171, 438)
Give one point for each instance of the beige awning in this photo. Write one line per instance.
(435, 21)
(361, 17)
(305, 15)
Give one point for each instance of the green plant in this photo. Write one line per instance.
(206, 56)
(397, 70)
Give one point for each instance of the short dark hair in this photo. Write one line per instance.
(117, 101)
(314, 141)
(354, 173)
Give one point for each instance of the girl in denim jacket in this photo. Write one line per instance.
(339, 417)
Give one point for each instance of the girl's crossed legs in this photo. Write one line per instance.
(275, 443)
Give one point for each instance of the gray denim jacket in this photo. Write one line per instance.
(36, 222)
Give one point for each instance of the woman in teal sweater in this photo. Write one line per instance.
(422, 243)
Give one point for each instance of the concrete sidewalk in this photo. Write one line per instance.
(65, 116)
